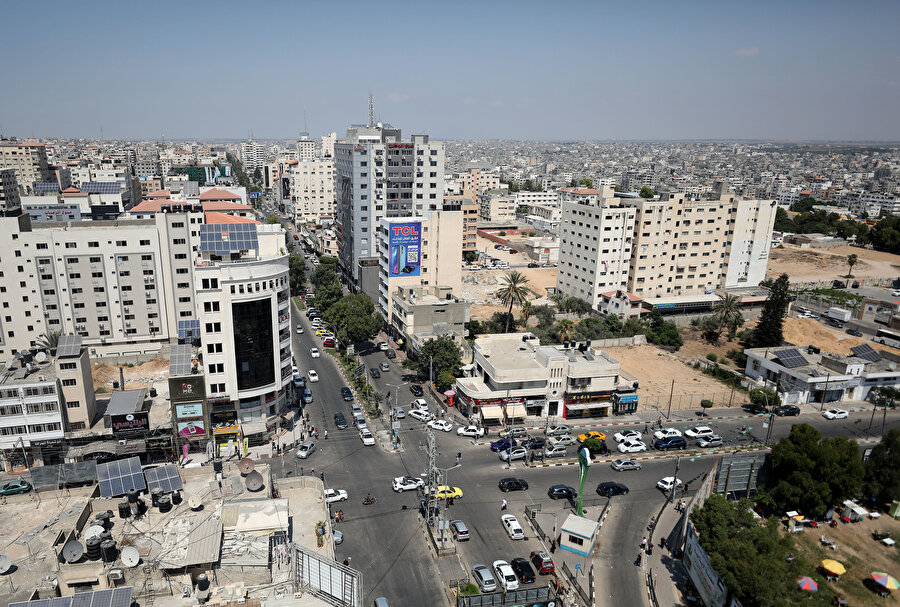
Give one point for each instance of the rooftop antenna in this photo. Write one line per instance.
(371, 109)
(305, 127)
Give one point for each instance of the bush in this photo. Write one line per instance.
(469, 589)
(706, 403)
(764, 397)
(712, 357)
(739, 358)
(501, 233)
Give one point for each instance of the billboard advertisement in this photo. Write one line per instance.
(285, 188)
(224, 422)
(405, 244)
(183, 410)
(130, 423)
(192, 429)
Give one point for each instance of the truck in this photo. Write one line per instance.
(839, 314)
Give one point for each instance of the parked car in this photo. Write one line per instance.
(698, 432)
(557, 430)
(484, 578)
(625, 435)
(406, 483)
(670, 443)
(335, 495)
(523, 570)
(512, 484)
(440, 424)
(366, 437)
(307, 396)
(625, 464)
(459, 530)
(564, 440)
(473, 431)
(305, 449)
(20, 485)
(836, 414)
(374, 372)
(632, 446)
(314, 352)
(561, 492)
(506, 575)
(592, 434)
(328, 343)
(787, 410)
(416, 389)
(666, 433)
(555, 451)
(754, 408)
(666, 483)
(513, 528)
(854, 332)
(713, 440)
(542, 562)
(503, 444)
(514, 432)
(299, 382)
(346, 394)
(340, 422)
(514, 454)
(390, 354)
(610, 489)
(419, 403)
(382, 345)
(399, 413)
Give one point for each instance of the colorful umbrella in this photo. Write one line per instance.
(883, 579)
(832, 566)
(807, 583)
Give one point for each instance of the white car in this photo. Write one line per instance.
(440, 424)
(406, 483)
(399, 413)
(299, 329)
(558, 430)
(473, 431)
(632, 446)
(419, 403)
(313, 376)
(366, 437)
(668, 482)
(335, 495)
(513, 528)
(514, 453)
(627, 435)
(295, 370)
(421, 415)
(304, 450)
(314, 352)
(506, 575)
(564, 441)
(666, 433)
(625, 464)
(698, 431)
(383, 346)
(836, 414)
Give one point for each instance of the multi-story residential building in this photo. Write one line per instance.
(253, 155)
(550, 198)
(29, 159)
(423, 313)
(751, 238)
(475, 181)
(497, 206)
(312, 189)
(328, 145)
(470, 221)
(306, 147)
(596, 234)
(378, 174)
(10, 200)
(150, 184)
(515, 376)
(148, 165)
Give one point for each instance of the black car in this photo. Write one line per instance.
(787, 410)
(512, 484)
(561, 492)
(416, 389)
(670, 442)
(854, 332)
(534, 265)
(537, 442)
(347, 394)
(374, 372)
(754, 408)
(390, 354)
(610, 489)
(340, 421)
(523, 570)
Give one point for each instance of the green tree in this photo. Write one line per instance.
(471, 256)
(354, 319)
(475, 328)
(612, 324)
(327, 295)
(851, 261)
(617, 188)
(769, 331)
(882, 469)
(565, 329)
(634, 325)
(273, 219)
(763, 397)
(783, 223)
(587, 182)
(710, 328)
(513, 292)
(545, 314)
(502, 322)
(527, 310)
(646, 192)
(257, 175)
(727, 313)
(296, 272)
(595, 446)
(49, 341)
(444, 355)
(885, 235)
(578, 306)
(322, 275)
(663, 332)
(810, 473)
(804, 205)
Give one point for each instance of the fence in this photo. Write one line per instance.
(584, 595)
(681, 401)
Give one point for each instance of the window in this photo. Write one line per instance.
(69, 382)
(179, 241)
(214, 348)
(121, 243)
(93, 244)
(145, 243)
(68, 365)
(217, 368)
(94, 260)
(146, 257)
(72, 404)
(42, 245)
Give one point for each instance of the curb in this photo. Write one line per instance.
(667, 455)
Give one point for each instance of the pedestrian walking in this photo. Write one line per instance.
(326, 434)
(532, 457)
(650, 550)
(503, 505)
(643, 542)
(646, 428)
(552, 546)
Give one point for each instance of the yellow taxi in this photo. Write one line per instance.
(592, 434)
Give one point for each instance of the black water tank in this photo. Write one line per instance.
(176, 497)
(152, 392)
(217, 465)
(165, 503)
(155, 493)
(103, 519)
(93, 548)
(132, 496)
(108, 551)
(202, 582)
(124, 510)
(105, 536)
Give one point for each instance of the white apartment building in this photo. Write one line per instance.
(312, 189)
(473, 182)
(751, 239)
(378, 174)
(596, 234)
(253, 155)
(29, 160)
(328, 142)
(550, 198)
(306, 147)
(497, 206)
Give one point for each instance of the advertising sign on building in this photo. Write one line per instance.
(710, 587)
(188, 410)
(405, 243)
(186, 388)
(191, 429)
(223, 422)
(130, 423)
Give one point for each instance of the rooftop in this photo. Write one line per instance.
(122, 402)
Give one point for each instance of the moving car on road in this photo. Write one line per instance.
(443, 492)
(421, 414)
(416, 390)
(346, 394)
(459, 530)
(406, 483)
(537, 442)
(305, 449)
(783, 410)
(314, 352)
(836, 414)
(366, 437)
(340, 422)
(666, 483)
(508, 455)
(313, 376)
(513, 528)
(610, 489)
(557, 492)
(564, 440)
(670, 443)
(473, 431)
(440, 424)
(513, 484)
(384, 367)
(382, 345)
(625, 464)
(419, 403)
(399, 413)
(592, 434)
(335, 495)
(374, 372)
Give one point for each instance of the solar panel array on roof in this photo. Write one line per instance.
(165, 477)
(46, 186)
(113, 597)
(865, 352)
(120, 476)
(68, 345)
(100, 187)
(64, 474)
(180, 360)
(791, 358)
(188, 329)
(223, 239)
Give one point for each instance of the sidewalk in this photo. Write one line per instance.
(667, 572)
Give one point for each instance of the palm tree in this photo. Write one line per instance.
(49, 341)
(851, 261)
(527, 312)
(514, 291)
(727, 313)
(565, 329)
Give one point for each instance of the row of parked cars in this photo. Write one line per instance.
(509, 575)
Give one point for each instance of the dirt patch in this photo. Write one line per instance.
(695, 345)
(137, 376)
(481, 286)
(857, 551)
(806, 331)
(809, 265)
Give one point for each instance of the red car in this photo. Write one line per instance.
(542, 562)
(328, 343)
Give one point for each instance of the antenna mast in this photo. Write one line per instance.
(371, 109)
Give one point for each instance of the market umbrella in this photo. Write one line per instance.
(883, 579)
(807, 583)
(834, 567)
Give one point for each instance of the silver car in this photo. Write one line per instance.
(484, 578)
(625, 464)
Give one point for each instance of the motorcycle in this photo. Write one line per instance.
(369, 500)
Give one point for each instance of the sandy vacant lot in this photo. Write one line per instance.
(808, 265)
(136, 377)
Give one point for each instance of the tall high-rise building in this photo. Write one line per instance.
(328, 145)
(10, 201)
(29, 159)
(378, 174)
(312, 189)
(306, 147)
(253, 155)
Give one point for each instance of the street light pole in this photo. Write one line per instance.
(444, 481)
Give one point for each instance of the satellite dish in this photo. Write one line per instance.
(73, 551)
(255, 481)
(246, 465)
(40, 357)
(130, 556)
(195, 502)
(5, 563)
(94, 531)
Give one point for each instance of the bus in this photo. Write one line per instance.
(887, 337)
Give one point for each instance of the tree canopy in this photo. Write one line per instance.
(354, 318)
(646, 192)
(769, 331)
(296, 272)
(882, 469)
(445, 359)
(514, 291)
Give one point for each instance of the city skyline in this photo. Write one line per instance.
(805, 72)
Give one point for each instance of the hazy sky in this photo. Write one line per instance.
(757, 69)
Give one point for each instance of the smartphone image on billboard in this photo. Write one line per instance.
(395, 259)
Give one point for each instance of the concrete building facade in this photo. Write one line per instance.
(29, 160)
(10, 199)
(497, 206)
(312, 189)
(423, 313)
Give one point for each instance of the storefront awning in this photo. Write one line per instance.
(515, 411)
(586, 406)
(256, 427)
(492, 412)
(91, 448)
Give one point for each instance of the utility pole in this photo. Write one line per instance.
(825, 392)
(675, 482)
(671, 393)
(431, 483)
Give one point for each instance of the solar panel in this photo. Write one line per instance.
(180, 356)
(165, 477)
(64, 474)
(100, 187)
(224, 239)
(865, 352)
(120, 476)
(69, 345)
(114, 597)
(188, 329)
(791, 358)
(46, 186)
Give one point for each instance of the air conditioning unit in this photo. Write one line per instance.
(42, 378)
(127, 324)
